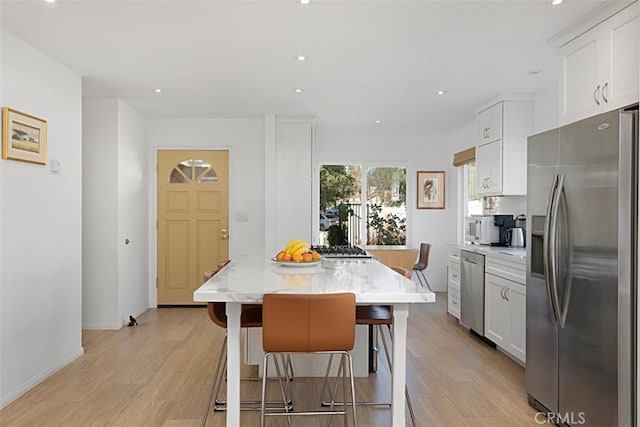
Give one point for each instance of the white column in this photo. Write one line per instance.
(233, 364)
(400, 314)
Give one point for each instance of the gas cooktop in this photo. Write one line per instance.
(343, 251)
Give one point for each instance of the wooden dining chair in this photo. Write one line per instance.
(423, 263)
(308, 323)
(376, 317)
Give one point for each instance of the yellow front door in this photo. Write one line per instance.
(193, 219)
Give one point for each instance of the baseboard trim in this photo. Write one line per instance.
(103, 326)
(37, 379)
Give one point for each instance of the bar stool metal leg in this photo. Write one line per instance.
(385, 347)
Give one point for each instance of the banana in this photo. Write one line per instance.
(301, 248)
(294, 245)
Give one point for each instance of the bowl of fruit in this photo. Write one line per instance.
(297, 253)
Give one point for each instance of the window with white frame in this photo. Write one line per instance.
(361, 204)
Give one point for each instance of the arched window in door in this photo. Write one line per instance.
(193, 170)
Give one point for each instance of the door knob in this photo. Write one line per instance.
(224, 235)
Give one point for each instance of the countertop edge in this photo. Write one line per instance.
(518, 255)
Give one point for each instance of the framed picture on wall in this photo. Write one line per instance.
(430, 190)
(24, 137)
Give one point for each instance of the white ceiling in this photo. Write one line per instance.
(367, 60)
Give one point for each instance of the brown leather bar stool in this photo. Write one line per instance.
(377, 316)
(423, 263)
(250, 317)
(301, 323)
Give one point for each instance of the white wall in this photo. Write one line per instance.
(546, 108)
(245, 140)
(115, 274)
(416, 153)
(100, 219)
(41, 225)
(293, 184)
(133, 190)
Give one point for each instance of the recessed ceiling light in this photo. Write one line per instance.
(301, 57)
(378, 121)
(50, 1)
(304, 1)
(157, 90)
(298, 90)
(556, 2)
(441, 92)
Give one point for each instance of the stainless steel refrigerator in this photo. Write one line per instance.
(582, 257)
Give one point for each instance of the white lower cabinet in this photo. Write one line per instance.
(453, 283)
(496, 311)
(505, 310)
(517, 295)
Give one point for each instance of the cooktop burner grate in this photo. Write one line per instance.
(343, 251)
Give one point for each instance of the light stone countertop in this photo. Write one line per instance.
(518, 255)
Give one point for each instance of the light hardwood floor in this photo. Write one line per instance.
(158, 374)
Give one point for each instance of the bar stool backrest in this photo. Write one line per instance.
(423, 259)
(401, 271)
(308, 323)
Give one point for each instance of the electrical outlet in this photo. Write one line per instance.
(242, 217)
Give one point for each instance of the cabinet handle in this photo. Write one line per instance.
(604, 92)
(502, 293)
(595, 95)
(454, 276)
(454, 302)
(506, 294)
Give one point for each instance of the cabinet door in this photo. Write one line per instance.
(580, 77)
(601, 67)
(453, 274)
(453, 302)
(516, 295)
(622, 35)
(489, 168)
(489, 124)
(496, 311)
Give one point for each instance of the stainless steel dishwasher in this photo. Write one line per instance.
(472, 291)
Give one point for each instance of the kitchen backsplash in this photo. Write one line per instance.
(515, 205)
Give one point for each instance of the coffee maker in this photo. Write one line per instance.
(504, 224)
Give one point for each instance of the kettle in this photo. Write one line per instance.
(515, 237)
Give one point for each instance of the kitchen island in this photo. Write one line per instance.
(246, 279)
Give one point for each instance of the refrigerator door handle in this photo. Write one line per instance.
(547, 262)
(553, 246)
(566, 256)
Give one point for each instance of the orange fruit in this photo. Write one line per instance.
(307, 256)
(286, 257)
(280, 256)
(297, 257)
(315, 256)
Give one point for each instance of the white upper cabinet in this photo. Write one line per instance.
(601, 67)
(489, 124)
(501, 147)
(489, 168)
